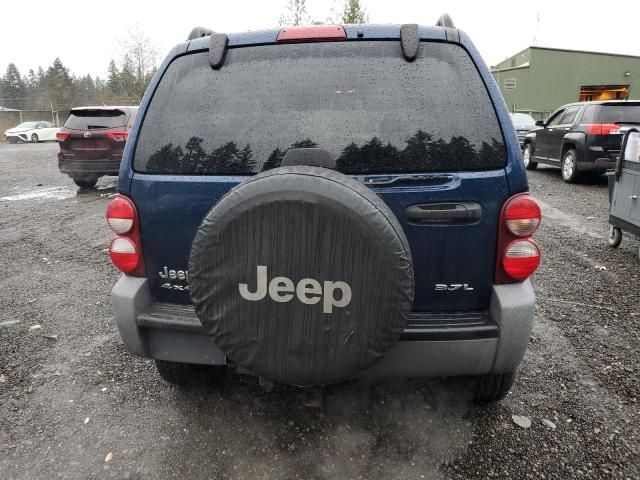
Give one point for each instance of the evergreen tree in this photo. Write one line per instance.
(354, 13)
(274, 160)
(128, 81)
(113, 80)
(14, 90)
(59, 85)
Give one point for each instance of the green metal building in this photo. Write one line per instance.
(538, 80)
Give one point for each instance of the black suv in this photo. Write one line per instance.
(581, 137)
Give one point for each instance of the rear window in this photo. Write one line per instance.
(94, 119)
(373, 111)
(618, 114)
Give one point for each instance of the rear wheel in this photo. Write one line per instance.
(492, 388)
(526, 157)
(187, 374)
(85, 182)
(34, 138)
(615, 237)
(570, 173)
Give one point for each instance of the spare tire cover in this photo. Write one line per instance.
(302, 275)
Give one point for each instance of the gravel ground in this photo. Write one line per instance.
(74, 404)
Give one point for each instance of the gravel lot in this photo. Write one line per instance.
(74, 404)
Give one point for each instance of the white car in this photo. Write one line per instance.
(31, 132)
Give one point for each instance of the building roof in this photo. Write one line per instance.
(551, 49)
(566, 50)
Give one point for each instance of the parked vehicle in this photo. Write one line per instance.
(294, 206)
(624, 191)
(523, 124)
(31, 132)
(581, 137)
(92, 140)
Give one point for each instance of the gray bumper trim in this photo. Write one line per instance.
(512, 309)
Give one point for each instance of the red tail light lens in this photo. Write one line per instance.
(521, 259)
(522, 216)
(126, 249)
(312, 33)
(518, 254)
(124, 254)
(120, 215)
(603, 129)
(117, 136)
(62, 136)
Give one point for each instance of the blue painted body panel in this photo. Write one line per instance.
(172, 206)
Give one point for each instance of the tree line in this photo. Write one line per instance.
(422, 152)
(57, 88)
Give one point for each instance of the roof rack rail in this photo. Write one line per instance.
(445, 21)
(199, 32)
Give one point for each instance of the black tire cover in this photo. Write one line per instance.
(308, 223)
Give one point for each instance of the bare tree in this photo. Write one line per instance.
(295, 13)
(140, 55)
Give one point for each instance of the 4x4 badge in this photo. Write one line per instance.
(452, 287)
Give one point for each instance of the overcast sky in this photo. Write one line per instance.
(86, 35)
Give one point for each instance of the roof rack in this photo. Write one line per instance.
(445, 21)
(199, 32)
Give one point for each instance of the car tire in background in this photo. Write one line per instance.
(188, 375)
(85, 182)
(34, 138)
(527, 153)
(569, 166)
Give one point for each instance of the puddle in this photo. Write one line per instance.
(55, 193)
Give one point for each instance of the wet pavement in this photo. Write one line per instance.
(74, 404)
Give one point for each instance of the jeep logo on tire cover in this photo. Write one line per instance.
(308, 291)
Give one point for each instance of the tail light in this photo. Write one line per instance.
(117, 136)
(126, 249)
(518, 254)
(603, 129)
(62, 136)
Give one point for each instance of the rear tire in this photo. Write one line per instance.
(85, 182)
(492, 388)
(569, 167)
(187, 374)
(615, 237)
(526, 157)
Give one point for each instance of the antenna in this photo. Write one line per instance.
(534, 42)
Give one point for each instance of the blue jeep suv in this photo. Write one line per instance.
(320, 203)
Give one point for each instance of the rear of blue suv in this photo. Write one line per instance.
(314, 204)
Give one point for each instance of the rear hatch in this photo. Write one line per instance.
(623, 114)
(95, 133)
(423, 135)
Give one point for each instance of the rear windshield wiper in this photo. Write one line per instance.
(89, 127)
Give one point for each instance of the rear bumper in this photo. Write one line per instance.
(432, 345)
(596, 159)
(71, 164)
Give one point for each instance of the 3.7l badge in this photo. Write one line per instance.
(452, 287)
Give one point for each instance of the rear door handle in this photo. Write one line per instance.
(450, 212)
